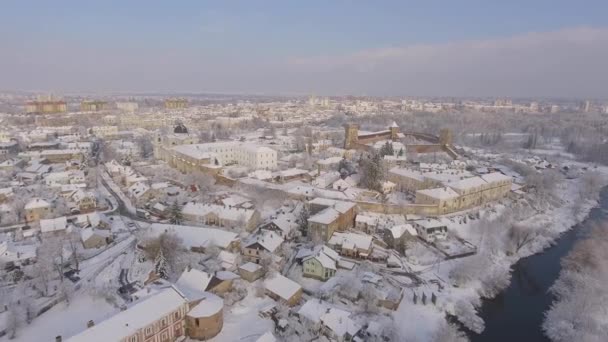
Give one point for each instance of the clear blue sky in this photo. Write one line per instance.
(235, 35)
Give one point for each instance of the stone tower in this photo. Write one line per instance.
(394, 131)
(351, 135)
(445, 137)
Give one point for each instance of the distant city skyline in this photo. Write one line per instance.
(469, 48)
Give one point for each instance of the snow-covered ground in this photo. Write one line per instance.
(242, 322)
(66, 320)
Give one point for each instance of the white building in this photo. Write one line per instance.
(227, 153)
(104, 131)
(127, 106)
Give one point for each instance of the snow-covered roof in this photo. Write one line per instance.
(339, 322)
(87, 233)
(250, 267)
(407, 173)
(443, 193)
(313, 309)
(36, 203)
(207, 307)
(53, 225)
(495, 177)
(325, 216)
(227, 259)
(286, 223)
(330, 161)
(429, 223)
(351, 240)
(128, 322)
(93, 219)
(226, 275)
(138, 189)
(197, 236)
(223, 212)
(194, 279)
(369, 220)
(281, 286)
(323, 259)
(268, 239)
(234, 200)
(468, 183)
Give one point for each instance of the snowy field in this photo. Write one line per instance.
(66, 319)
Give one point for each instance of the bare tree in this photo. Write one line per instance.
(144, 143)
(172, 248)
(73, 243)
(52, 254)
(521, 236)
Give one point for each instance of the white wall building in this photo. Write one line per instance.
(127, 106)
(245, 154)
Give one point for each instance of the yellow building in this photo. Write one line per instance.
(176, 103)
(46, 107)
(93, 106)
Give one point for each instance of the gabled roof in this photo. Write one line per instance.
(269, 240)
(281, 286)
(194, 279)
(53, 225)
(138, 316)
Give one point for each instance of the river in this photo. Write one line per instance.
(517, 313)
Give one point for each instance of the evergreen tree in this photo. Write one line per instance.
(387, 149)
(160, 265)
(176, 213)
(401, 152)
(372, 174)
(303, 220)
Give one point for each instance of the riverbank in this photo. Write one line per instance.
(517, 313)
(491, 269)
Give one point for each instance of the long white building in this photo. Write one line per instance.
(227, 153)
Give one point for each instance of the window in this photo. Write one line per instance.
(197, 323)
(133, 339)
(176, 315)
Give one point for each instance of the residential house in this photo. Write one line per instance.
(199, 238)
(321, 265)
(251, 272)
(17, 254)
(283, 290)
(85, 201)
(328, 216)
(219, 215)
(285, 225)
(430, 229)
(396, 236)
(352, 244)
(36, 209)
(335, 323)
(140, 192)
(366, 223)
(54, 226)
(196, 280)
(266, 242)
(95, 238)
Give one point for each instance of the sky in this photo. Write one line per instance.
(512, 48)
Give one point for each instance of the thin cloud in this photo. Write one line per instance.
(570, 62)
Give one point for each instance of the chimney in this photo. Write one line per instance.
(90, 323)
(58, 338)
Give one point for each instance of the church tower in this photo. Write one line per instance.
(351, 135)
